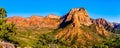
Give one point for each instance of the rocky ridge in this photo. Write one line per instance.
(50, 21)
(78, 16)
(77, 24)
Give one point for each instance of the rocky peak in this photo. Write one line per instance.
(99, 21)
(15, 19)
(102, 21)
(52, 16)
(77, 23)
(107, 25)
(77, 16)
(36, 18)
(34, 21)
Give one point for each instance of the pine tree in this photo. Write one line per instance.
(3, 13)
(5, 29)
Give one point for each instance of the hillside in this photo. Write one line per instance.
(77, 28)
(51, 21)
(74, 30)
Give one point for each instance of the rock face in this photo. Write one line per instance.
(50, 21)
(35, 21)
(6, 45)
(77, 24)
(19, 21)
(78, 16)
(52, 16)
(75, 18)
(102, 22)
(99, 21)
(74, 26)
(111, 27)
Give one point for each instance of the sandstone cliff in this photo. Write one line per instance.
(50, 21)
(77, 24)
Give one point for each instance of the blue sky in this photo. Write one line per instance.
(108, 9)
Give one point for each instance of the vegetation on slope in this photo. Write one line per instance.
(6, 30)
(45, 37)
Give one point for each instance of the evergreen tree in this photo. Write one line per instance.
(3, 13)
(5, 29)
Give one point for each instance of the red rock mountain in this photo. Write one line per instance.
(77, 24)
(72, 26)
(51, 21)
(78, 17)
(107, 25)
(102, 21)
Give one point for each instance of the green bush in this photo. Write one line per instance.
(6, 30)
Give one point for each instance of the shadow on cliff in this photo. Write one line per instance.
(64, 22)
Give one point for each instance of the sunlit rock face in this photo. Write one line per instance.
(19, 21)
(53, 16)
(51, 21)
(102, 22)
(78, 16)
(77, 24)
(111, 27)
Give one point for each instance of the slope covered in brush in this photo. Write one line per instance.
(73, 30)
(77, 28)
